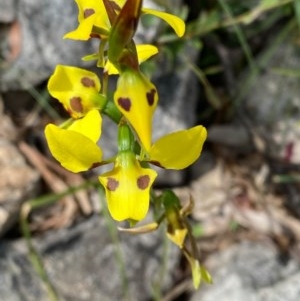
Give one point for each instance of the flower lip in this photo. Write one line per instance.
(127, 188)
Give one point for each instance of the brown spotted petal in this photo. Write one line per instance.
(77, 89)
(127, 188)
(93, 21)
(136, 97)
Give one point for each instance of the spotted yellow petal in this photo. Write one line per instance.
(77, 89)
(127, 189)
(180, 149)
(175, 22)
(136, 97)
(73, 150)
(92, 17)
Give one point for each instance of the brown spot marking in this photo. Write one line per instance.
(125, 103)
(76, 105)
(143, 182)
(112, 184)
(88, 82)
(88, 12)
(150, 97)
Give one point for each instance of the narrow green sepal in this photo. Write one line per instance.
(90, 57)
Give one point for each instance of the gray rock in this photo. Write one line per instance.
(234, 136)
(253, 272)
(7, 11)
(82, 265)
(273, 106)
(18, 281)
(286, 290)
(42, 25)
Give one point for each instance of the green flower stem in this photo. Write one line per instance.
(107, 106)
(125, 138)
(112, 111)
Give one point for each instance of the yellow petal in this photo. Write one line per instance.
(136, 97)
(77, 89)
(175, 22)
(177, 236)
(144, 52)
(127, 189)
(120, 3)
(89, 125)
(110, 68)
(83, 31)
(205, 275)
(91, 14)
(196, 273)
(180, 149)
(73, 150)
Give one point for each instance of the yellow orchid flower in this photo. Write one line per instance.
(136, 97)
(77, 89)
(94, 22)
(178, 150)
(75, 147)
(127, 188)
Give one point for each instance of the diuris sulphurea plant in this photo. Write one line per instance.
(74, 143)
